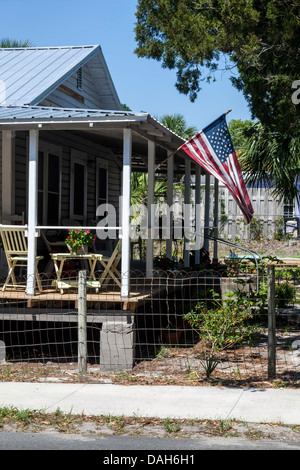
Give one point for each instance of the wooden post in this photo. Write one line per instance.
(170, 178)
(271, 323)
(32, 209)
(216, 220)
(150, 207)
(187, 213)
(82, 333)
(125, 260)
(206, 210)
(198, 214)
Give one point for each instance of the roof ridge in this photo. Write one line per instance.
(48, 47)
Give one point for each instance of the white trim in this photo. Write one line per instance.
(81, 158)
(125, 259)
(32, 209)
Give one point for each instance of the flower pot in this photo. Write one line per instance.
(83, 250)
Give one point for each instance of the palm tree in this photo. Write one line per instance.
(272, 158)
(177, 124)
(9, 43)
(139, 182)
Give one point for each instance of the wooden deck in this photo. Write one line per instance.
(50, 305)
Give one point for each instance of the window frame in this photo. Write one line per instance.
(50, 149)
(80, 158)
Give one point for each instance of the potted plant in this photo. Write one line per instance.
(80, 240)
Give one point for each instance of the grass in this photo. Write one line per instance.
(14, 419)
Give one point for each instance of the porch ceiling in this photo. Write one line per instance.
(102, 126)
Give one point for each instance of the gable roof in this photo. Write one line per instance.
(29, 75)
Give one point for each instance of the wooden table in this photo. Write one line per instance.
(60, 258)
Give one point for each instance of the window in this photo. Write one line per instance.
(78, 194)
(288, 208)
(49, 184)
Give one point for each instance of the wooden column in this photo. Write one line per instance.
(170, 178)
(197, 214)
(125, 261)
(32, 209)
(206, 210)
(216, 219)
(187, 213)
(150, 203)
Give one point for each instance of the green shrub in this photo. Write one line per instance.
(224, 325)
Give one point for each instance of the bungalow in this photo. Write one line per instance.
(67, 146)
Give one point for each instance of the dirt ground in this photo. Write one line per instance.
(241, 367)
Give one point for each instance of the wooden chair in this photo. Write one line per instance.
(16, 252)
(110, 264)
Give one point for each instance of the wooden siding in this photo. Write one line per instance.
(89, 97)
(68, 141)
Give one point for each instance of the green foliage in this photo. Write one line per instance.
(238, 131)
(7, 43)
(272, 159)
(257, 40)
(79, 237)
(177, 124)
(224, 323)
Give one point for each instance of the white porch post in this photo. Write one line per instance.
(32, 209)
(125, 261)
(8, 200)
(150, 202)
(170, 177)
(206, 210)
(187, 213)
(197, 214)
(216, 219)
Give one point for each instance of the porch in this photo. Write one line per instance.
(63, 186)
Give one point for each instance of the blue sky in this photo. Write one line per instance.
(140, 83)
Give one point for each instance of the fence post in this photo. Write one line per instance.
(82, 333)
(271, 323)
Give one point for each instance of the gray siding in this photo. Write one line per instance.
(88, 93)
(67, 141)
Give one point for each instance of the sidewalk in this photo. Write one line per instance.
(220, 403)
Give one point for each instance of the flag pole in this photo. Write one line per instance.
(175, 151)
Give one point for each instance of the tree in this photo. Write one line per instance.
(258, 39)
(8, 43)
(238, 132)
(177, 124)
(272, 158)
(139, 181)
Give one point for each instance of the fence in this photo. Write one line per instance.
(179, 326)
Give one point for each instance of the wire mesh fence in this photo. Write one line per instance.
(181, 325)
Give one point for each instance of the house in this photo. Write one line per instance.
(67, 146)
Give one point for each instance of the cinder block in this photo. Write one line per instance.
(117, 343)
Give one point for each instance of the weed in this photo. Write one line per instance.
(171, 426)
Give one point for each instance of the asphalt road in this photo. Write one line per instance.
(118, 446)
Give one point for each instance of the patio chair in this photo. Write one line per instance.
(110, 264)
(16, 252)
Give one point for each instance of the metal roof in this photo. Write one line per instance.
(106, 125)
(28, 75)
(20, 114)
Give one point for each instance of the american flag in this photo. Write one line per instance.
(212, 148)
